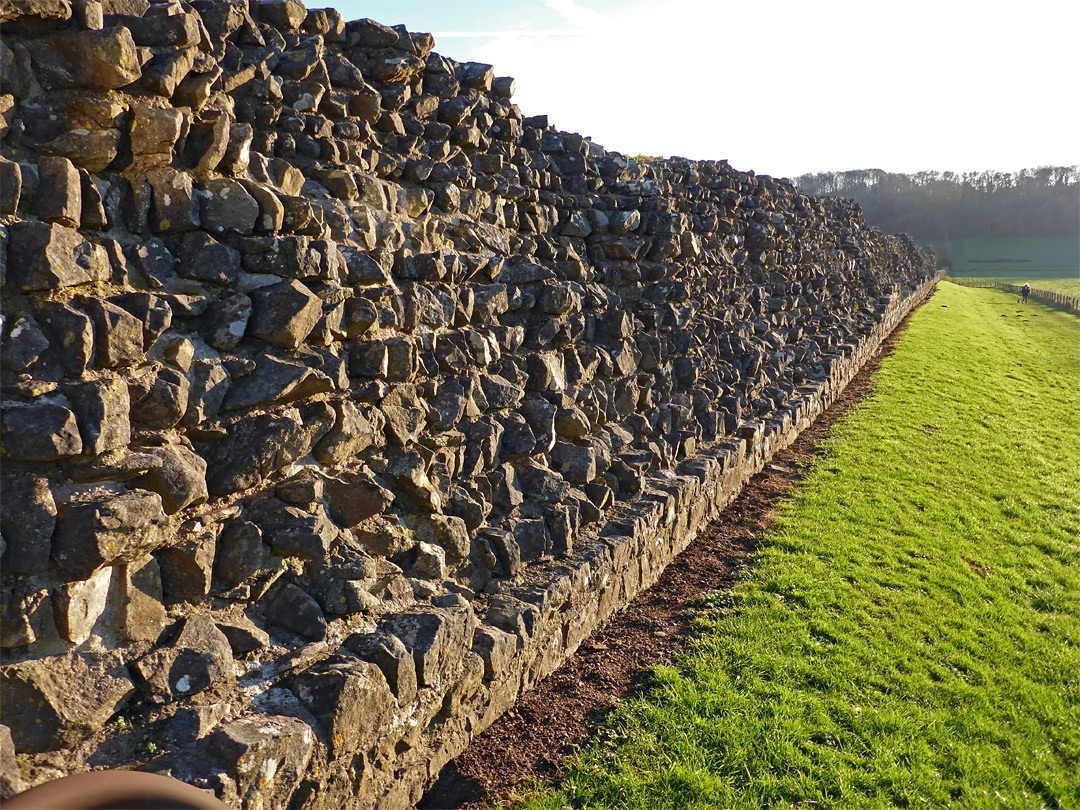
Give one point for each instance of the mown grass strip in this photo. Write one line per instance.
(909, 636)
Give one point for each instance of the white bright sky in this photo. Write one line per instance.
(782, 87)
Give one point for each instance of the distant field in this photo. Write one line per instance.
(909, 635)
(1046, 263)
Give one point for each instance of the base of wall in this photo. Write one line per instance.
(548, 617)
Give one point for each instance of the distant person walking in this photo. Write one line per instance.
(1025, 292)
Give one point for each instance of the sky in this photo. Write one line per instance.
(782, 87)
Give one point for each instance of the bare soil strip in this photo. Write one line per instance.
(532, 739)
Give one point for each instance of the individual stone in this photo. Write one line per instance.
(119, 334)
(349, 697)
(239, 552)
(284, 314)
(27, 522)
(141, 614)
(160, 28)
(243, 635)
(226, 206)
(496, 647)
(500, 392)
(287, 14)
(391, 656)
(275, 380)
(179, 353)
(199, 657)
(96, 60)
(166, 402)
(58, 701)
(203, 258)
(10, 186)
(576, 464)
(25, 607)
(78, 605)
(34, 15)
(154, 134)
(437, 638)
(180, 480)
(252, 747)
(195, 89)
(353, 497)
(254, 447)
(186, 568)
(294, 532)
(48, 256)
(24, 345)
(224, 325)
(430, 561)
(11, 778)
(208, 389)
(39, 431)
(59, 192)
(101, 408)
(352, 433)
(207, 140)
(164, 73)
(154, 261)
(174, 206)
(71, 335)
(106, 531)
(292, 609)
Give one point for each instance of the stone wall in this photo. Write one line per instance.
(341, 402)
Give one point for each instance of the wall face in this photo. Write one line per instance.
(341, 403)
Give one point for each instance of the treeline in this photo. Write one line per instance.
(937, 206)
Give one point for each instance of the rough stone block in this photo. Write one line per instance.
(27, 522)
(78, 605)
(59, 192)
(48, 256)
(289, 607)
(349, 697)
(199, 657)
(106, 531)
(284, 314)
(40, 431)
(56, 702)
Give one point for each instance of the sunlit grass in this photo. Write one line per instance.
(909, 637)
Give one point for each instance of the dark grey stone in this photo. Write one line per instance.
(106, 531)
(199, 657)
(239, 551)
(27, 522)
(57, 701)
(48, 256)
(39, 431)
(287, 606)
(284, 314)
(203, 258)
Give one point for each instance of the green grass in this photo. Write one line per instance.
(909, 634)
(1046, 263)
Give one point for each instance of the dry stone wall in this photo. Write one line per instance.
(341, 401)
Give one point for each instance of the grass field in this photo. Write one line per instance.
(909, 635)
(1046, 263)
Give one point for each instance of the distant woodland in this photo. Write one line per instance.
(937, 207)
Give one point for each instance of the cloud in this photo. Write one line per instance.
(571, 11)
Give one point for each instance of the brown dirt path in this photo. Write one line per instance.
(531, 740)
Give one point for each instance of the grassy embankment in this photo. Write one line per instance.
(910, 633)
(1046, 263)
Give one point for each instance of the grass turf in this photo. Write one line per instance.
(909, 634)
(1046, 263)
